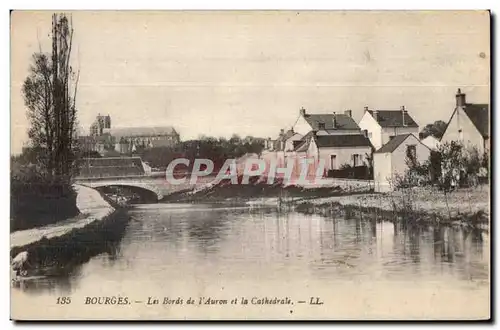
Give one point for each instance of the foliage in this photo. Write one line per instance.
(435, 129)
(453, 165)
(49, 94)
(41, 191)
(215, 149)
(345, 166)
(37, 199)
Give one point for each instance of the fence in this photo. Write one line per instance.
(357, 172)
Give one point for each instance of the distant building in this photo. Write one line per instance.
(100, 126)
(95, 143)
(391, 160)
(130, 139)
(431, 142)
(269, 144)
(382, 125)
(126, 140)
(469, 124)
(285, 141)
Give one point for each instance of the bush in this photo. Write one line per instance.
(36, 201)
(453, 165)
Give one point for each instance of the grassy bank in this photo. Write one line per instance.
(75, 247)
(466, 203)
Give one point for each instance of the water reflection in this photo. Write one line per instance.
(210, 243)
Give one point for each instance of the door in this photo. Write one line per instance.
(333, 162)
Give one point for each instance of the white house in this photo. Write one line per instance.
(292, 140)
(382, 125)
(390, 160)
(469, 124)
(431, 142)
(336, 150)
(269, 144)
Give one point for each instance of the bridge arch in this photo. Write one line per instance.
(147, 192)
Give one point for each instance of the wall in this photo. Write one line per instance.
(368, 123)
(470, 135)
(399, 155)
(382, 171)
(302, 126)
(344, 155)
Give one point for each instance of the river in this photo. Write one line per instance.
(351, 268)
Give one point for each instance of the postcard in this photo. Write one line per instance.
(250, 165)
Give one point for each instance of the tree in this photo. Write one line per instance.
(50, 95)
(435, 129)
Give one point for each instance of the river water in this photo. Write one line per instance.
(351, 268)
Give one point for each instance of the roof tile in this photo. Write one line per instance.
(393, 118)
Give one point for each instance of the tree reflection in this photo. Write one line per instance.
(207, 228)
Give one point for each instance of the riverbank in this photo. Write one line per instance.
(429, 205)
(425, 200)
(75, 239)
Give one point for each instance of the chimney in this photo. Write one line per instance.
(403, 114)
(282, 132)
(365, 133)
(334, 120)
(460, 97)
(348, 113)
(375, 115)
(366, 108)
(302, 111)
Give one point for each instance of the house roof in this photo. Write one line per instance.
(282, 138)
(395, 142)
(479, 115)
(142, 131)
(305, 141)
(347, 140)
(393, 118)
(342, 121)
(329, 141)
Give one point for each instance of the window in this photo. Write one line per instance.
(391, 137)
(333, 162)
(356, 159)
(411, 152)
(321, 125)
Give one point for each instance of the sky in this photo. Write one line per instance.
(249, 73)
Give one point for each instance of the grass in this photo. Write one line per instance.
(428, 200)
(468, 206)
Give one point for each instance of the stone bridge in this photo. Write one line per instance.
(156, 184)
(150, 184)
